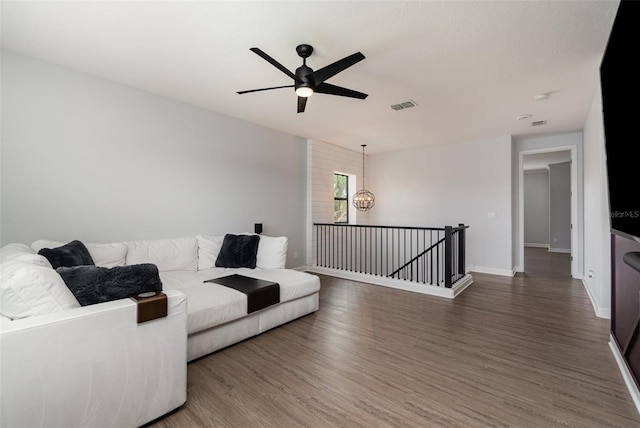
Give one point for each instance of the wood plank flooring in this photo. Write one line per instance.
(522, 352)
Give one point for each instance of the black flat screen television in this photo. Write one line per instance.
(620, 83)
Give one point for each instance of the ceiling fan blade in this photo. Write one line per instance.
(264, 89)
(274, 62)
(327, 88)
(319, 76)
(302, 103)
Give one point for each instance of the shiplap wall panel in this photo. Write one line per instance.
(323, 160)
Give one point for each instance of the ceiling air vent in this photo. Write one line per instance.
(539, 123)
(404, 105)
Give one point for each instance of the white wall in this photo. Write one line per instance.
(85, 158)
(597, 244)
(536, 208)
(446, 185)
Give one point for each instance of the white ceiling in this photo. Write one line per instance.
(472, 67)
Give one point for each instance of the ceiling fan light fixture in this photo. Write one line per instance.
(304, 91)
(306, 81)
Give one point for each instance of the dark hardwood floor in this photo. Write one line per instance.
(540, 263)
(526, 351)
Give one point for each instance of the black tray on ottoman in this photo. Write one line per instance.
(260, 293)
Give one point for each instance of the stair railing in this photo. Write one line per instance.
(426, 255)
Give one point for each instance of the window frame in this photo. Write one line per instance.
(336, 198)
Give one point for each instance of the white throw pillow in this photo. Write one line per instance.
(272, 252)
(167, 254)
(104, 255)
(28, 290)
(22, 253)
(208, 249)
(45, 243)
(108, 255)
(14, 249)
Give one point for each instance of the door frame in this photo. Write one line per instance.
(575, 220)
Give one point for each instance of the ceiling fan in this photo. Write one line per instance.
(307, 82)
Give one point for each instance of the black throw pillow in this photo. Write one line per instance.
(96, 284)
(74, 253)
(238, 251)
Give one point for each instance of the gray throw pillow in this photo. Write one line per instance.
(75, 253)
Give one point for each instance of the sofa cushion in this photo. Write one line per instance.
(22, 253)
(74, 253)
(166, 254)
(96, 284)
(29, 290)
(106, 255)
(238, 251)
(272, 252)
(293, 284)
(208, 250)
(209, 304)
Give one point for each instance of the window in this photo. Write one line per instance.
(340, 198)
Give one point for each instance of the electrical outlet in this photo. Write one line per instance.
(295, 255)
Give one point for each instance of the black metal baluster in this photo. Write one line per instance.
(343, 230)
(461, 250)
(387, 247)
(406, 274)
(447, 256)
(411, 273)
(370, 252)
(321, 255)
(438, 262)
(319, 243)
(326, 243)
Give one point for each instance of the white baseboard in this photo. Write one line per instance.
(431, 290)
(530, 244)
(493, 271)
(599, 311)
(626, 375)
(560, 250)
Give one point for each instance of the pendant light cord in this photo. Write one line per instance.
(363, 146)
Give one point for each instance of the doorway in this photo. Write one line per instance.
(551, 228)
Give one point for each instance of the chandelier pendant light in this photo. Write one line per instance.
(363, 199)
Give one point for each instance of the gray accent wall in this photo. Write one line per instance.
(536, 208)
(560, 207)
(85, 158)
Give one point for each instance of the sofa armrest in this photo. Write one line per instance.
(93, 366)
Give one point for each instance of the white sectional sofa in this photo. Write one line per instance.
(62, 364)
